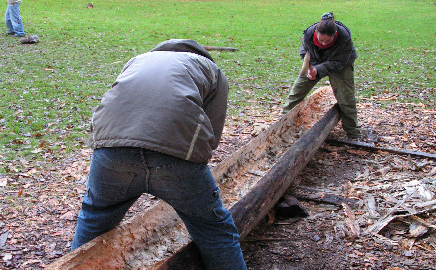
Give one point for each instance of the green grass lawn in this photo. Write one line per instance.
(48, 90)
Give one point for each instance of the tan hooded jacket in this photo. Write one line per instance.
(172, 99)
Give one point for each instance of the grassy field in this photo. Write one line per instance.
(48, 90)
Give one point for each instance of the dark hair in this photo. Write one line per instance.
(327, 25)
(183, 45)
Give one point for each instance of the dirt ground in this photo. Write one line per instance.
(398, 191)
(334, 236)
(324, 239)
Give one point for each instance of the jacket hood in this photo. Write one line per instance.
(183, 45)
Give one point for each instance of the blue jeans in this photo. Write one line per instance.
(13, 20)
(118, 176)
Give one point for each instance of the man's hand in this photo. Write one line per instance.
(312, 73)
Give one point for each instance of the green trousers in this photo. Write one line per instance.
(342, 83)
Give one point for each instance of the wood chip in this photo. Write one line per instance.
(351, 221)
(416, 230)
(370, 204)
(388, 217)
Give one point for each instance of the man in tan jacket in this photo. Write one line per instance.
(154, 132)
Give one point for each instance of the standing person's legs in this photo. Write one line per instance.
(299, 91)
(117, 178)
(343, 88)
(13, 20)
(190, 188)
(8, 20)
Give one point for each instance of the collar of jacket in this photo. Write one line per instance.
(319, 45)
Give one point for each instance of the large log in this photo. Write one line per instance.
(251, 209)
(264, 195)
(154, 235)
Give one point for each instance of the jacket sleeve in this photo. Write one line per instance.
(303, 50)
(215, 106)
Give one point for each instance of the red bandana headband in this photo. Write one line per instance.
(316, 41)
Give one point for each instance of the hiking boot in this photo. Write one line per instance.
(354, 137)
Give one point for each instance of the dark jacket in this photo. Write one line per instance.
(172, 100)
(342, 54)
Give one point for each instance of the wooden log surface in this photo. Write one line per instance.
(154, 235)
(215, 48)
(249, 211)
(253, 207)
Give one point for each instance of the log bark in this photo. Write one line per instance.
(311, 194)
(152, 236)
(253, 207)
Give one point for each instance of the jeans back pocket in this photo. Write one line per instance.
(109, 182)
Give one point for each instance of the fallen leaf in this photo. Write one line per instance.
(3, 182)
(70, 215)
(7, 257)
(357, 152)
(3, 239)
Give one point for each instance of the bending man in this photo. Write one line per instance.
(154, 132)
